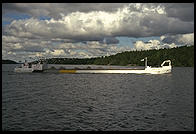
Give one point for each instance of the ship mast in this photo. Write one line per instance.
(145, 62)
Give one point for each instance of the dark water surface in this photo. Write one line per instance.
(52, 101)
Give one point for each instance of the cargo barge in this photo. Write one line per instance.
(147, 70)
(42, 67)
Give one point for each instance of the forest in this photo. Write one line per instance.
(180, 57)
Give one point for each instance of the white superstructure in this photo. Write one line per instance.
(28, 67)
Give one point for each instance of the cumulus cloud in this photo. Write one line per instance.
(183, 11)
(180, 39)
(95, 25)
(90, 29)
(53, 10)
(58, 52)
(30, 49)
(152, 44)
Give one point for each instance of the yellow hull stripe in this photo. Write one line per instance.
(67, 71)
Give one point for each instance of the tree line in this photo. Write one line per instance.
(180, 57)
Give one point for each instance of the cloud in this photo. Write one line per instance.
(10, 39)
(58, 52)
(91, 29)
(54, 10)
(96, 25)
(152, 44)
(111, 40)
(182, 11)
(31, 48)
(180, 39)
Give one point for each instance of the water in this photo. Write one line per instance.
(77, 102)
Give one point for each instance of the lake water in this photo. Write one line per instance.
(77, 102)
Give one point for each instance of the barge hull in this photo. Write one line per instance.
(116, 71)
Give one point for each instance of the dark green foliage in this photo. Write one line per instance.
(181, 56)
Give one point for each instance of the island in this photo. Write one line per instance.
(9, 62)
(180, 57)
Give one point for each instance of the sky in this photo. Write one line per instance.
(85, 30)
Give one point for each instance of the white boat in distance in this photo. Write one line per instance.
(28, 67)
(148, 69)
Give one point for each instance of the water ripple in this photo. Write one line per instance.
(77, 102)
